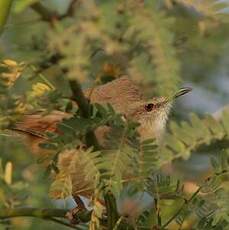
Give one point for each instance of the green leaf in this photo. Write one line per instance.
(21, 5)
(214, 126)
(225, 121)
(4, 12)
(201, 131)
(181, 134)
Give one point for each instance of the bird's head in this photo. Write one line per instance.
(152, 114)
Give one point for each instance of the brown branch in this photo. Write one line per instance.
(85, 110)
(84, 107)
(51, 16)
(78, 96)
(83, 103)
(33, 212)
(47, 214)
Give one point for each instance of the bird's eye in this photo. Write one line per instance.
(149, 107)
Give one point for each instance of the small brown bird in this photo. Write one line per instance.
(125, 97)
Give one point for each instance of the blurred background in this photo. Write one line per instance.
(200, 44)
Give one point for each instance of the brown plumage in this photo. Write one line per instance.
(124, 96)
(118, 93)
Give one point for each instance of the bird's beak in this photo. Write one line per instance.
(182, 91)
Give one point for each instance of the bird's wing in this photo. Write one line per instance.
(38, 124)
(120, 93)
(122, 87)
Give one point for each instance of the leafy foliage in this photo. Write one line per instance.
(155, 43)
(187, 136)
(209, 9)
(9, 189)
(94, 33)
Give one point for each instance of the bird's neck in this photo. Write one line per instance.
(151, 129)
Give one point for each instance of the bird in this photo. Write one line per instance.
(125, 97)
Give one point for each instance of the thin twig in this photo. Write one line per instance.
(85, 110)
(62, 222)
(118, 223)
(185, 203)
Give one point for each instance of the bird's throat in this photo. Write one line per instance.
(153, 128)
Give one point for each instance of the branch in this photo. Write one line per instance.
(49, 214)
(5, 6)
(84, 108)
(188, 201)
(45, 14)
(112, 214)
(78, 96)
(185, 203)
(50, 16)
(33, 212)
(83, 103)
(61, 222)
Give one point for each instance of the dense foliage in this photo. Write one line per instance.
(52, 50)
